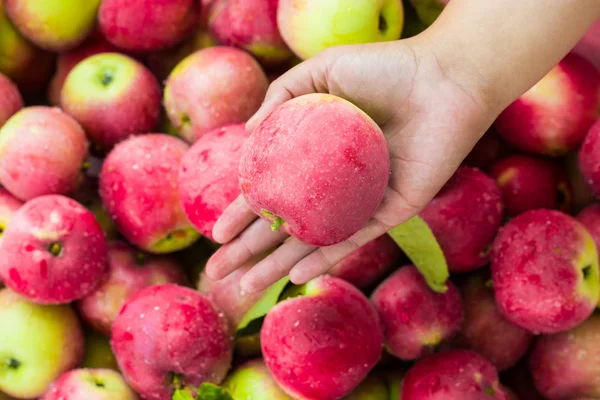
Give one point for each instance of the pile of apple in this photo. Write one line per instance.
(122, 141)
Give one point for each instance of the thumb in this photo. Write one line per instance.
(307, 77)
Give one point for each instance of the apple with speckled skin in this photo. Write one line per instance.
(167, 336)
(138, 186)
(415, 318)
(465, 216)
(322, 340)
(40, 344)
(452, 375)
(250, 25)
(53, 251)
(553, 117)
(90, 384)
(567, 365)
(97, 352)
(545, 271)
(147, 25)
(56, 26)
(129, 271)
(316, 25)
(321, 195)
(10, 99)
(42, 150)
(588, 160)
(429, 10)
(113, 97)
(211, 88)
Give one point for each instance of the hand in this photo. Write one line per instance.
(431, 122)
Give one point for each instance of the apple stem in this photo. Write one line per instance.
(276, 225)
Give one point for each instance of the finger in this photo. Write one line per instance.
(275, 266)
(236, 217)
(255, 240)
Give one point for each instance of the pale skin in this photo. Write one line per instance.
(434, 95)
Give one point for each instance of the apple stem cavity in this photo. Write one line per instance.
(106, 75)
(587, 271)
(383, 25)
(55, 249)
(11, 363)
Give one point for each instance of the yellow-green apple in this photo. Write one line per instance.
(58, 25)
(211, 88)
(489, 149)
(253, 381)
(589, 160)
(147, 25)
(465, 216)
(311, 26)
(97, 352)
(452, 375)
(113, 97)
(553, 117)
(415, 318)
(42, 150)
(138, 186)
(250, 25)
(37, 344)
(322, 340)
(208, 176)
(168, 337)
(545, 271)
(366, 265)
(10, 99)
(567, 365)
(129, 271)
(53, 251)
(529, 183)
(429, 10)
(90, 384)
(322, 194)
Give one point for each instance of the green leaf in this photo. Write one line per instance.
(208, 391)
(420, 245)
(264, 305)
(182, 394)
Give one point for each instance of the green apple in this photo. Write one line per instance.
(310, 26)
(38, 343)
(98, 353)
(253, 381)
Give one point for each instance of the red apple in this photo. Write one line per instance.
(138, 186)
(589, 161)
(208, 176)
(589, 45)
(9, 204)
(545, 271)
(590, 218)
(90, 384)
(553, 116)
(129, 271)
(211, 88)
(415, 318)
(10, 99)
(321, 195)
(42, 151)
(489, 149)
(582, 195)
(169, 336)
(53, 251)
(465, 216)
(322, 344)
(253, 381)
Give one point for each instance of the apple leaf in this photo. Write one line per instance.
(420, 245)
(254, 316)
(182, 394)
(208, 391)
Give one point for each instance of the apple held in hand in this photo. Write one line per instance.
(90, 384)
(10, 99)
(321, 194)
(37, 344)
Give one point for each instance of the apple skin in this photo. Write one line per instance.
(57, 26)
(322, 344)
(589, 161)
(588, 46)
(147, 25)
(311, 26)
(485, 330)
(129, 271)
(590, 218)
(90, 384)
(250, 25)
(168, 330)
(429, 10)
(567, 365)
(9, 204)
(138, 186)
(465, 216)
(98, 353)
(53, 251)
(545, 271)
(253, 381)
(211, 88)
(366, 265)
(487, 151)
(42, 151)
(43, 342)
(452, 375)
(553, 117)
(530, 183)
(10, 100)
(582, 195)
(321, 195)
(113, 97)
(415, 318)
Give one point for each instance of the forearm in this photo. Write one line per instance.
(502, 48)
